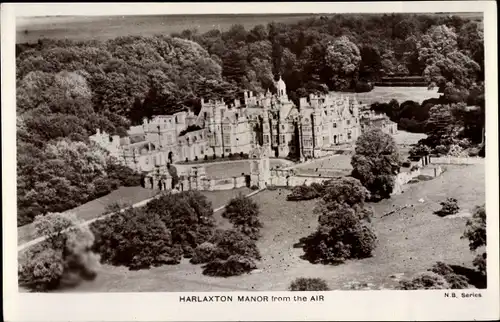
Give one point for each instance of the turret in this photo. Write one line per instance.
(281, 89)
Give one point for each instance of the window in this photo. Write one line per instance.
(266, 139)
(282, 139)
(334, 125)
(283, 127)
(275, 127)
(275, 139)
(227, 139)
(348, 122)
(349, 135)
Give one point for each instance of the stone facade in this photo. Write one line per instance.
(271, 122)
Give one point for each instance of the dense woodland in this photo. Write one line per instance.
(68, 89)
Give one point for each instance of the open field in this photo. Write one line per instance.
(108, 27)
(384, 94)
(30, 29)
(410, 241)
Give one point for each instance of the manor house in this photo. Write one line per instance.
(268, 121)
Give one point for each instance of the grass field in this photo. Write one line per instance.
(410, 241)
(221, 170)
(384, 94)
(108, 27)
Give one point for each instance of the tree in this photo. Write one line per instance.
(438, 49)
(135, 239)
(188, 215)
(343, 58)
(243, 213)
(475, 232)
(376, 162)
(65, 257)
(344, 231)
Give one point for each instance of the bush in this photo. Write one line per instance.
(362, 87)
(475, 228)
(233, 266)
(41, 271)
(303, 192)
(205, 157)
(454, 280)
(65, 253)
(135, 239)
(254, 187)
(233, 242)
(196, 158)
(480, 263)
(406, 164)
(424, 281)
(449, 207)
(204, 253)
(308, 284)
(271, 187)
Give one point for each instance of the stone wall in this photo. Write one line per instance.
(456, 160)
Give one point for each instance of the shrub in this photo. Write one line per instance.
(205, 157)
(66, 252)
(204, 253)
(233, 266)
(42, 270)
(308, 284)
(135, 239)
(254, 187)
(475, 228)
(449, 207)
(196, 158)
(320, 189)
(271, 187)
(480, 263)
(302, 192)
(241, 154)
(424, 281)
(454, 280)
(187, 160)
(233, 242)
(406, 164)
(419, 150)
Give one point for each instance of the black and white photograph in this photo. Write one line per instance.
(229, 153)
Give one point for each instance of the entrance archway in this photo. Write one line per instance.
(335, 140)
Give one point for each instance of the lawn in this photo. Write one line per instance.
(230, 169)
(95, 208)
(410, 241)
(334, 165)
